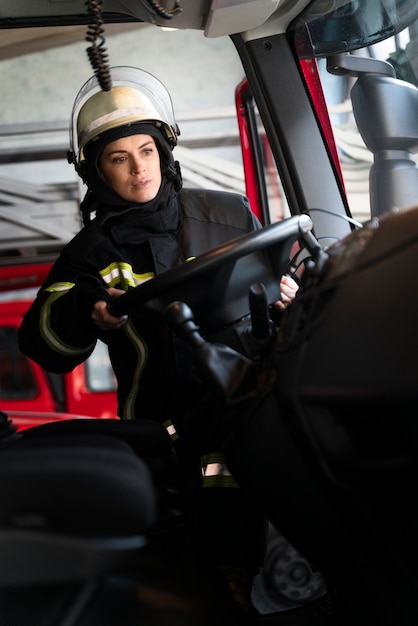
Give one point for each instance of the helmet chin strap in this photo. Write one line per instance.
(173, 173)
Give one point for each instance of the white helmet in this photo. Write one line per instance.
(135, 96)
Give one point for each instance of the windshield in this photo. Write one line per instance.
(330, 27)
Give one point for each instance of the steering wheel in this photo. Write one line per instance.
(215, 285)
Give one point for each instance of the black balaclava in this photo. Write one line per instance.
(101, 198)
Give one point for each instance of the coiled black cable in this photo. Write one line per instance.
(159, 10)
(97, 52)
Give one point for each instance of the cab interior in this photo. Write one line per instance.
(342, 414)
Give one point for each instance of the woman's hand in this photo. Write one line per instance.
(104, 320)
(288, 289)
(101, 316)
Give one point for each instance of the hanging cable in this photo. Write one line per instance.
(97, 52)
(159, 10)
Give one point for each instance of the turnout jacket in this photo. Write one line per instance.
(153, 369)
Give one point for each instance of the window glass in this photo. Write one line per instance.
(16, 375)
(356, 159)
(329, 27)
(99, 372)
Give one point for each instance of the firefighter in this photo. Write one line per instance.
(139, 221)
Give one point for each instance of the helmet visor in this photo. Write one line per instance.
(107, 111)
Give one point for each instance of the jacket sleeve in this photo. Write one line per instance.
(57, 331)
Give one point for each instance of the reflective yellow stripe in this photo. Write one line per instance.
(225, 482)
(142, 358)
(48, 334)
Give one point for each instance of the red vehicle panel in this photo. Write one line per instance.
(31, 396)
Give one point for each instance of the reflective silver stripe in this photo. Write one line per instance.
(170, 428)
(215, 472)
(216, 469)
(59, 287)
(131, 114)
(123, 274)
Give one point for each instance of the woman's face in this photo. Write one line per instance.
(131, 166)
